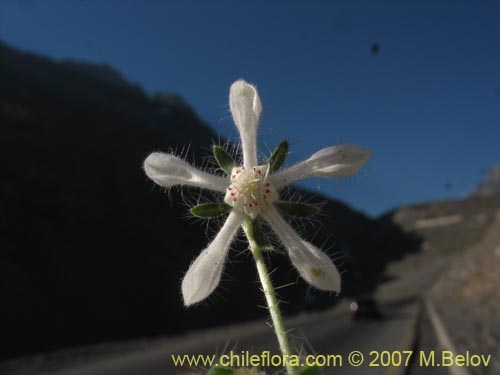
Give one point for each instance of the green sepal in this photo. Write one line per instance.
(207, 210)
(220, 371)
(310, 370)
(297, 209)
(224, 159)
(278, 157)
(254, 231)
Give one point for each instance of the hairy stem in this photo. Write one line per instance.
(272, 301)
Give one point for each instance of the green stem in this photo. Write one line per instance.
(270, 294)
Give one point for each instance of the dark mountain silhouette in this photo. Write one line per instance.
(91, 250)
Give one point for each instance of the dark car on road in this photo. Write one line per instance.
(365, 308)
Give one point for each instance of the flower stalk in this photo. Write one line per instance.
(270, 295)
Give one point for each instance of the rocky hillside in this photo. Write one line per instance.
(91, 250)
(470, 287)
(448, 226)
(490, 183)
(457, 270)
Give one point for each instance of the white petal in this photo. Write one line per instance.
(314, 266)
(168, 170)
(204, 273)
(336, 161)
(246, 108)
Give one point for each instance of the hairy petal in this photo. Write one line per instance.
(336, 161)
(314, 266)
(168, 170)
(205, 272)
(246, 109)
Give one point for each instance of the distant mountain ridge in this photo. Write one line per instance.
(91, 250)
(490, 183)
(101, 72)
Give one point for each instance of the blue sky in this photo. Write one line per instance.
(427, 105)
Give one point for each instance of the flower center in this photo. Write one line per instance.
(249, 190)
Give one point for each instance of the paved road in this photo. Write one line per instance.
(327, 332)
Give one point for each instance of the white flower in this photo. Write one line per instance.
(251, 191)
